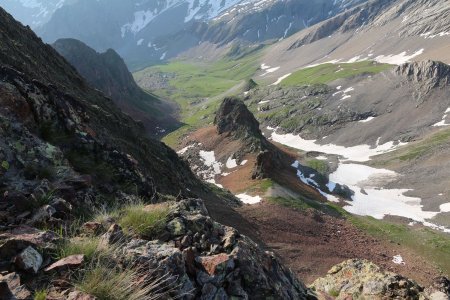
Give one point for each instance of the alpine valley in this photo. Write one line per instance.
(224, 149)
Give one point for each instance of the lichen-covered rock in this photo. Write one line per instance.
(361, 279)
(219, 263)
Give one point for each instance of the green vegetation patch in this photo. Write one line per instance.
(145, 221)
(320, 166)
(89, 246)
(329, 72)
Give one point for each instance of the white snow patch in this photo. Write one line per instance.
(270, 70)
(398, 259)
(367, 120)
(311, 182)
(264, 102)
(279, 80)
(249, 199)
(244, 162)
(163, 56)
(398, 59)
(321, 157)
(231, 163)
(210, 160)
(358, 153)
(140, 42)
(445, 207)
(185, 149)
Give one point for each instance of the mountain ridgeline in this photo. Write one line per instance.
(148, 32)
(108, 73)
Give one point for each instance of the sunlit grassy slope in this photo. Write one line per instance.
(326, 73)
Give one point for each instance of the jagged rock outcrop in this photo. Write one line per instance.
(428, 74)
(234, 119)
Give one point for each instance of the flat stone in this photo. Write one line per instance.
(216, 263)
(70, 262)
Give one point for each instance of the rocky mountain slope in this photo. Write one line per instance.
(66, 149)
(370, 114)
(108, 73)
(235, 154)
(141, 33)
(392, 32)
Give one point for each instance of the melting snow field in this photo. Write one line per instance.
(358, 153)
(370, 198)
(249, 199)
(268, 69)
(231, 163)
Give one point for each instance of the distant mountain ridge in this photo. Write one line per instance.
(146, 32)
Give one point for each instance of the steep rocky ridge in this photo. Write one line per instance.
(108, 73)
(67, 149)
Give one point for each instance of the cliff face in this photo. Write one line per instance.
(108, 73)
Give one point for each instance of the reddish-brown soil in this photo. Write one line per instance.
(310, 243)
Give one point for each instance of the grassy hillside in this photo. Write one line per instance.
(329, 72)
(197, 87)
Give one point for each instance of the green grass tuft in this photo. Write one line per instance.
(89, 246)
(145, 221)
(108, 282)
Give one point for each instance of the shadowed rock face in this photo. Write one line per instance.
(108, 73)
(234, 118)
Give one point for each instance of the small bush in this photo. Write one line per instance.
(144, 221)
